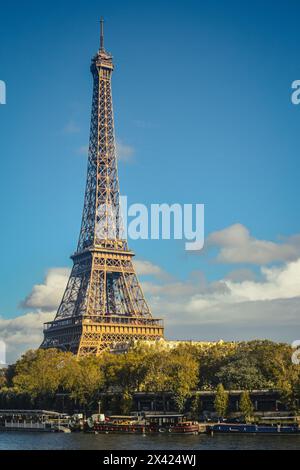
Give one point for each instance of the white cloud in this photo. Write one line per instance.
(26, 331)
(146, 268)
(278, 283)
(267, 308)
(23, 332)
(236, 245)
(48, 295)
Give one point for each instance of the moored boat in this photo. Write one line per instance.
(172, 423)
(33, 421)
(228, 428)
(147, 424)
(187, 427)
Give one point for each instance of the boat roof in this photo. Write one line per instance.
(164, 415)
(278, 417)
(32, 412)
(123, 416)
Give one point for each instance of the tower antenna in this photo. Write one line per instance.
(102, 34)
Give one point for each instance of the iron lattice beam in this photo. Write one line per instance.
(103, 306)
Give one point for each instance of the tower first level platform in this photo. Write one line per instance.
(88, 335)
(103, 307)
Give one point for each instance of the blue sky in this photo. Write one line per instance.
(201, 94)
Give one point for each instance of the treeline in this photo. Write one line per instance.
(41, 377)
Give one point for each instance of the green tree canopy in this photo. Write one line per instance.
(221, 401)
(154, 368)
(40, 372)
(241, 374)
(245, 405)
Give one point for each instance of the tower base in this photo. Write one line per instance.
(89, 335)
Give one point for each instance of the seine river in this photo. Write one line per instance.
(44, 441)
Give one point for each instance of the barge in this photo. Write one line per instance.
(147, 424)
(252, 429)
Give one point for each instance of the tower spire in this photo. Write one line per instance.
(101, 34)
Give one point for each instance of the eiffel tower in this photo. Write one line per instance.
(103, 306)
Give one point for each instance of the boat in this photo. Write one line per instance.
(232, 428)
(187, 427)
(115, 424)
(116, 428)
(171, 423)
(33, 421)
(146, 424)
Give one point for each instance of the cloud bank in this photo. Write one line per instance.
(236, 245)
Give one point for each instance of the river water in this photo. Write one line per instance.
(45, 441)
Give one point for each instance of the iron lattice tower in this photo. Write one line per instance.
(103, 306)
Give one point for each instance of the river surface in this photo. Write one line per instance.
(44, 441)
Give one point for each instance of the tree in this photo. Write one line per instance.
(289, 386)
(246, 406)
(196, 406)
(39, 373)
(273, 360)
(211, 359)
(221, 401)
(241, 374)
(3, 378)
(126, 403)
(174, 371)
(87, 380)
(183, 375)
(125, 371)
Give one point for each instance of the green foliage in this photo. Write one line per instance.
(44, 373)
(259, 364)
(196, 406)
(241, 374)
(221, 401)
(40, 376)
(124, 373)
(272, 359)
(126, 403)
(3, 378)
(174, 371)
(183, 375)
(40, 372)
(289, 387)
(84, 380)
(245, 405)
(211, 359)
